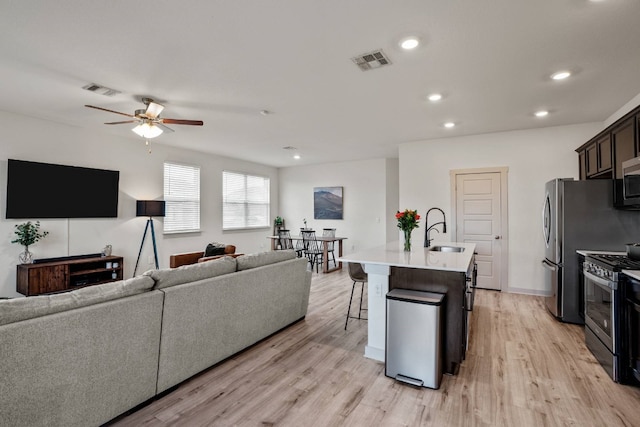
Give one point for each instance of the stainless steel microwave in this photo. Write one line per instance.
(627, 191)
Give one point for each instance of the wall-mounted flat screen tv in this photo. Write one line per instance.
(43, 190)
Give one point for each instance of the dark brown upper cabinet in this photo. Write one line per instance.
(602, 156)
(623, 138)
(597, 157)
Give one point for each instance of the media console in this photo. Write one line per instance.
(67, 273)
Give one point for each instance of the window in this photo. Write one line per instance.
(245, 201)
(182, 198)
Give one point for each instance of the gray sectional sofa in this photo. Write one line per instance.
(84, 357)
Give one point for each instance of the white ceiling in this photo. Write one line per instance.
(225, 61)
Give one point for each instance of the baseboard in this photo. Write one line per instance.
(524, 291)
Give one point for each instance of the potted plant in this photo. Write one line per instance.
(28, 233)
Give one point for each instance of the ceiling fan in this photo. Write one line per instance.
(150, 124)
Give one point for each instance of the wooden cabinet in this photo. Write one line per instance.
(623, 138)
(582, 160)
(598, 156)
(604, 153)
(591, 153)
(602, 156)
(67, 274)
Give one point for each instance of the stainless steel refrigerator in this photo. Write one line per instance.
(579, 215)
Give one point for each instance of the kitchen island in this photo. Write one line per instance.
(424, 269)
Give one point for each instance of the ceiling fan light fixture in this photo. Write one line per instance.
(154, 109)
(147, 130)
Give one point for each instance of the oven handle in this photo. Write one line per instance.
(600, 282)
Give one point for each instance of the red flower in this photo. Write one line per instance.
(408, 220)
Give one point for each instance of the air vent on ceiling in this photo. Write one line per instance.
(92, 87)
(371, 60)
(288, 147)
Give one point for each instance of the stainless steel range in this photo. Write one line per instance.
(603, 314)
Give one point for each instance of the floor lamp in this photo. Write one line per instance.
(149, 208)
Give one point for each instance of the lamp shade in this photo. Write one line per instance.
(150, 208)
(147, 130)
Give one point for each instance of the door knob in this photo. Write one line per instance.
(497, 237)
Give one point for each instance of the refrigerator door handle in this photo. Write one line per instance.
(550, 266)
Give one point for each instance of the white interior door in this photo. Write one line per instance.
(479, 220)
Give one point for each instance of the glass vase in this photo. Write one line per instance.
(407, 240)
(25, 257)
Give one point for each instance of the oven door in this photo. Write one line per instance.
(600, 308)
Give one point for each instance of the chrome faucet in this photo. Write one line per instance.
(427, 240)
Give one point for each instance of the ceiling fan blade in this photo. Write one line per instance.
(163, 127)
(120, 123)
(182, 122)
(153, 110)
(109, 111)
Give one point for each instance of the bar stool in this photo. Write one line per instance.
(357, 274)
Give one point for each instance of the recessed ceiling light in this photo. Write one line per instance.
(296, 156)
(434, 97)
(560, 75)
(541, 113)
(449, 124)
(409, 43)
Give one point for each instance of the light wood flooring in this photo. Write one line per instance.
(523, 368)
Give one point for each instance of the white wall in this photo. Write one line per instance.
(369, 189)
(532, 156)
(141, 177)
(633, 103)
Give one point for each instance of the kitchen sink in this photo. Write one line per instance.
(446, 249)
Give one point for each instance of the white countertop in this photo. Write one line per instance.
(392, 254)
(632, 273)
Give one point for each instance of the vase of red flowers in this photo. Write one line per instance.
(407, 221)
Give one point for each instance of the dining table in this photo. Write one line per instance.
(325, 249)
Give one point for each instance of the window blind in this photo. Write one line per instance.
(245, 201)
(182, 198)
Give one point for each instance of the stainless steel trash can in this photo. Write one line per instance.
(413, 337)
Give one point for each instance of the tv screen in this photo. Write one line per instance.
(42, 190)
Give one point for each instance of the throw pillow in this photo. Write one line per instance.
(214, 249)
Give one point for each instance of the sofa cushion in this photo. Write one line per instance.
(192, 272)
(18, 309)
(246, 262)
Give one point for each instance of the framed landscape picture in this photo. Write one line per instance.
(327, 203)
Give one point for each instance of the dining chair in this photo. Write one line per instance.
(357, 274)
(300, 245)
(284, 239)
(330, 232)
(312, 248)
